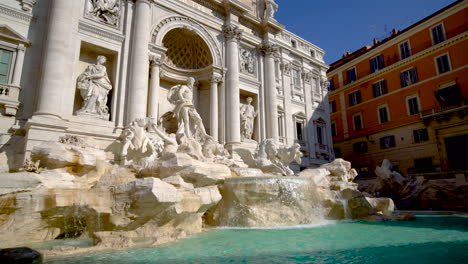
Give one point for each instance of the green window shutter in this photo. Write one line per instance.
(5, 61)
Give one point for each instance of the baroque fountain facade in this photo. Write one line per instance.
(141, 122)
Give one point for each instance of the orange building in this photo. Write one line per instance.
(405, 98)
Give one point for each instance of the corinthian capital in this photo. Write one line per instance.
(268, 48)
(216, 78)
(155, 60)
(232, 32)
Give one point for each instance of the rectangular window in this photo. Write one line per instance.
(443, 64)
(354, 98)
(413, 106)
(377, 63)
(405, 51)
(357, 120)
(281, 125)
(332, 106)
(320, 135)
(379, 88)
(383, 114)
(333, 129)
(296, 78)
(331, 87)
(5, 63)
(312, 53)
(351, 74)
(300, 130)
(360, 147)
(387, 142)
(293, 43)
(438, 34)
(408, 77)
(420, 135)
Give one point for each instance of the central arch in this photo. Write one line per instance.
(186, 50)
(188, 27)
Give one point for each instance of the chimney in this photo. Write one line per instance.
(394, 32)
(376, 41)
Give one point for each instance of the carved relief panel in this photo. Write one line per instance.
(104, 11)
(247, 61)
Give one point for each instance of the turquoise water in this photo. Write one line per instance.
(428, 239)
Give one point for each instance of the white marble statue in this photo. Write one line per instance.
(190, 122)
(276, 158)
(107, 11)
(247, 117)
(94, 86)
(134, 137)
(270, 8)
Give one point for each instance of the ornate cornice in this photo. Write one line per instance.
(232, 32)
(15, 13)
(94, 31)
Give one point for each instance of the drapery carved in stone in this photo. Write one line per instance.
(106, 11)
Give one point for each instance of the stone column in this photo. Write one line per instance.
(271, 111)
(18, 65)
(215, 79)
(58, 53)
(232, 34)
(139, 69)
(153, 100)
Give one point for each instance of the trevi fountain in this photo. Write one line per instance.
(131, 127)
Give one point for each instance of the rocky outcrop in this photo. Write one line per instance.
(266, 201)
(417, 193)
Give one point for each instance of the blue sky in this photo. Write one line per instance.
(338, 26)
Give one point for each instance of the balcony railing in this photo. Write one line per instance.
(9, 95)
(443, 110)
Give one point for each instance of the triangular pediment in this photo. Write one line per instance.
(11, 35)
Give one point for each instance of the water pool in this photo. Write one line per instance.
(428, 239)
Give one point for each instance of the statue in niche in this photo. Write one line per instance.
(190, 122)
(247, 117)
(247, 61)
(94, 86)
(107, 11)
(270, 8)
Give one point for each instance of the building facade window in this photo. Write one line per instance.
(383, 114)
(333, 129)
(281, 127)
(420, 135)
(331, 86)
(408, 77)
(405, 50)
(387, 142)
(379, 88)
(443, 64)
(377, 63)
(293, 43)
(299, 125)
(351, 74)
(438, 34)
(296, 78)
(332, 106)
(412, 103)
(357, 121)
(312, 53)
(6, 57)
(360, 147)
(320, 134)
(354, 98)
(299, 120)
